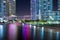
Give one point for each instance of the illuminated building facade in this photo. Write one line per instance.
(45, 6)
(11, 7)
(7, 7)
(2, 8)
(34, 9)
(59, 5)
(45, 9)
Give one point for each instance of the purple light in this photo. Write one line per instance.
(26, 32)
(12, 31)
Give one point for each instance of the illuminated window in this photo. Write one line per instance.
(13, 0)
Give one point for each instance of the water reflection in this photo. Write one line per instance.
(42, 33)
(50, 34)
(1, 32)
(34, 32)
(57, 35)
(31, 32)
(12, 32)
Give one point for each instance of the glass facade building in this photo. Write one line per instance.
(7, 7)
(45, 7)
(59, 5)
(2, 8)
(11, 7)
(34, 9)
(45, 10)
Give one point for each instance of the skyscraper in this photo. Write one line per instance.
(7, 7)
(10, 7)
(34, 9)
(2, 8)
(45, 9)
(59, 5)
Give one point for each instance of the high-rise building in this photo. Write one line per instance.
(34, 9)
(45, 9)
(10, 7)
(7, 7)
(59, 5)
(2, 8)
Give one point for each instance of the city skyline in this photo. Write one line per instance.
(45, 9)
(23, 7)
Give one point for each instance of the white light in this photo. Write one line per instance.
(1, 30)
(42, 28)
(42, 33)
(23, 24)
(51, 17)
(5, 20)
(4, 1)
(30, 25)
(40, 14)
(1, 26)
(1, 19)
(13, 0)
(34, 26)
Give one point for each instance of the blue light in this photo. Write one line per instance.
(31, 30)
(34, 31)
(57, 35)
(50, 34)
(1, 31)
(42, 33)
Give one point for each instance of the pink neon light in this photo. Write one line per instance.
(12, 31)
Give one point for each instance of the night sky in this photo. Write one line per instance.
(55, 5)
(22, 7)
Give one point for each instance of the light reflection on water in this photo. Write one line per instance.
(1, 32)
(31, 30)
(42, 33)
(57, 35)
(50, 34)
(12, 31)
